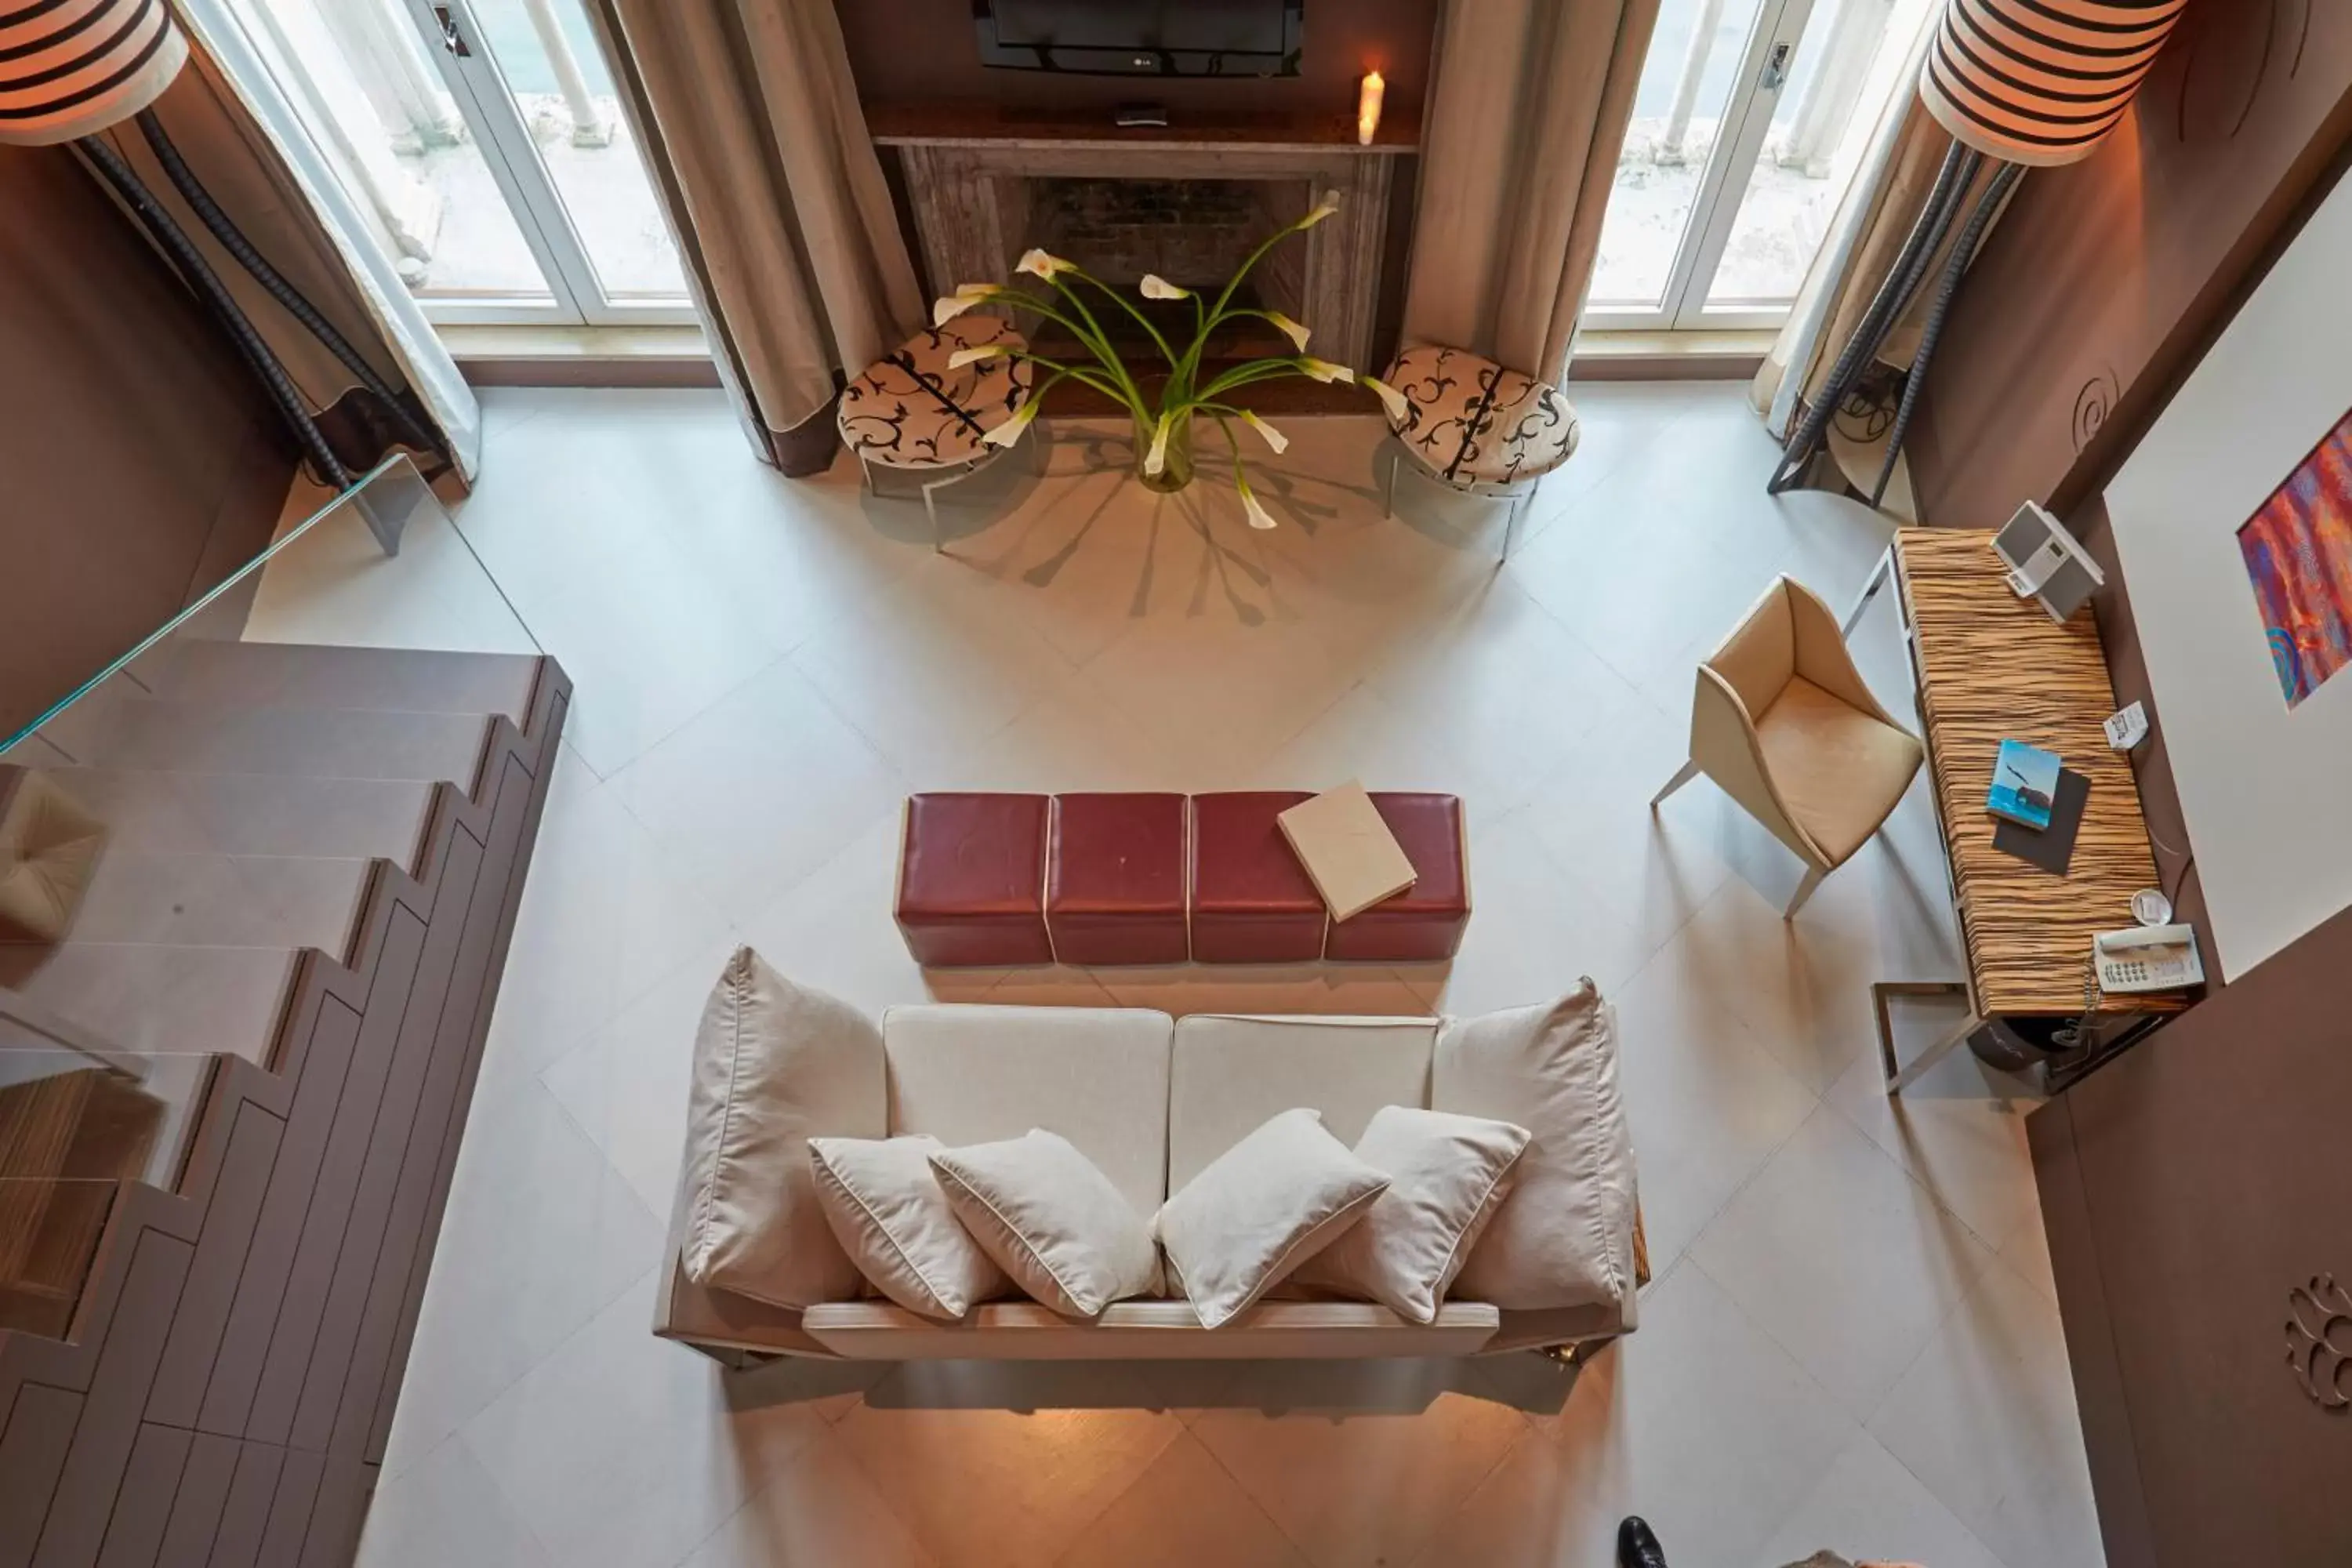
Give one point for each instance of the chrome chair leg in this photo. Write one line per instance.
(931, 509)
(1388, 491)
(1814, 875)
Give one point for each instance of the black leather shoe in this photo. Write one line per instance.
(1637, 1547)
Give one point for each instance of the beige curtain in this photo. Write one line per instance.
(225, 117)
(751, 124)
(1865, 236)
(1518, 151)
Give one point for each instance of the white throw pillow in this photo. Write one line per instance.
(1447, 1176)
(1260, 1209)
(885, 1205)
(1565, 1235)
(1046, 1215)
(774, 1064)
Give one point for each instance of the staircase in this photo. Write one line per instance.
(232, 1091)
(248, 789)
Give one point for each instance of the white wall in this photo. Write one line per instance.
(2267, 790)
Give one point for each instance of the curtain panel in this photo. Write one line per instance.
(1519, 146)
(232, 120)
(749, 121)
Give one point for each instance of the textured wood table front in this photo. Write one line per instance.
(1993, 667)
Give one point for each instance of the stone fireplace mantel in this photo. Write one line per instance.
(967, 174)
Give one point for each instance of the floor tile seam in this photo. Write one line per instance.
(1305, 1551)
(866, 738)
(574, 1121)
(1867, 1136)
(770, 1478)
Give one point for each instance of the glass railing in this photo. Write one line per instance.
(180, 826)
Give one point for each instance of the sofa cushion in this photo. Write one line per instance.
(889, 1211)
(1447, 1175)
(1097, 1076)
(1231, 1074)
(775, 1064)
(1564, 1237)
(1262, 1208)
(1049, 1219)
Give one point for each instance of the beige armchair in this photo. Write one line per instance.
(1784, 723)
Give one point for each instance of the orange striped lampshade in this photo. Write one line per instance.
(71, 66)
(2040, 82)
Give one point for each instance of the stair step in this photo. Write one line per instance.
(149, 998)
(312, 675)
(150, 811)
(221, 900)
(313, 742)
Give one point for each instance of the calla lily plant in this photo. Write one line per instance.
(1163, 418)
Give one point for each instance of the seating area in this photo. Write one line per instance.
(1153, 1103)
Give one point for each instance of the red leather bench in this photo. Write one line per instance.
(1253, 902)
(1011, 880)
(1115, 869)
(1425, 923)
(971, 880)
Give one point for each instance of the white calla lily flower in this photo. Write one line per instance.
(1155, 286)
(1297, 331)
(963, 357)
(965, 296)
(1039, 264)
(1259, 518)
(1323, 370)
(1157, 458)
(1399, 411)
(1274, 437)
(1004, 435)
(1323, 210)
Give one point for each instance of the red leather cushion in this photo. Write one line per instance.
(1253, 902)
(1425, 923)
(1115, 878)
(971, 880)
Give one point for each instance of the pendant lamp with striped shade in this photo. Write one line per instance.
(2040, 82)
(69, 68)
(2019, 84)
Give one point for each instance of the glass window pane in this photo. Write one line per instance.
(1847, 70)
(546, 52)
(1686, 83)
(357, 73)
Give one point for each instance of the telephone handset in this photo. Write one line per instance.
(2148, 958)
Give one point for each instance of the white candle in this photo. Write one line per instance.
(1368, 108)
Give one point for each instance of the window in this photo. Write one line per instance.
(484, 140)
(1750, 121)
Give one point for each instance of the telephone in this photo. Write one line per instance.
(2148, 958)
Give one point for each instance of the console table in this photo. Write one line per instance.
(1992, 666)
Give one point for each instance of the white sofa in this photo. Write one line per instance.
(1150, 1100)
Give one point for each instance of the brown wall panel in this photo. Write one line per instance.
(2188, 1187)
(2104, 277)
(142, 460)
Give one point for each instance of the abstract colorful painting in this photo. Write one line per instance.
(2298, 551)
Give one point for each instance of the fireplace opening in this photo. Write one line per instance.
(1195, 233)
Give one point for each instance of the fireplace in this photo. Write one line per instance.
(1188, 204)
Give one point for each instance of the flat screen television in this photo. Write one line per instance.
(1141, 37)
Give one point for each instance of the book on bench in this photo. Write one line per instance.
(1349, 852)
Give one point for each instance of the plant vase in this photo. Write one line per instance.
(1175, 469)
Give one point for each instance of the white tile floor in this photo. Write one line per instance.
(1851, 1341)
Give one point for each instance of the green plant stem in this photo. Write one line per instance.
(1124, 303)
(1098, 344)
(1255, 370)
